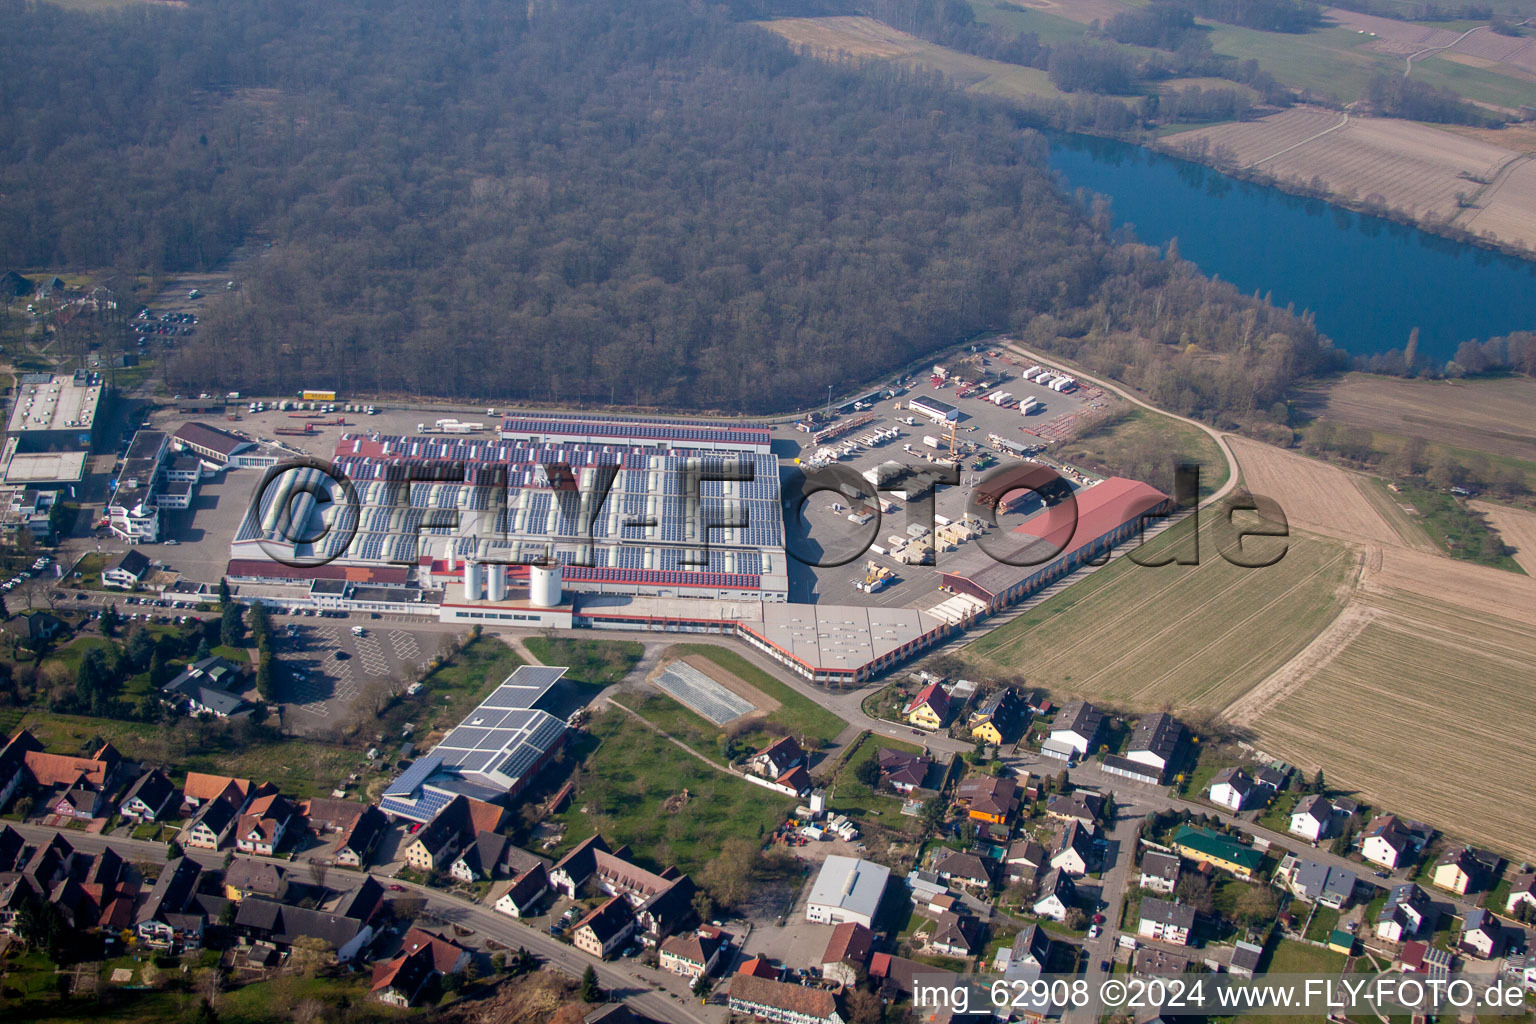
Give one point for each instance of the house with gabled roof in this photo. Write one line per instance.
(423, 958)
(1077, 727)
(1072, 850)
(605, 929)
(955, 933)
(1465, 869)
(966, 870)
(1024, 859)
(1522, 892)
(903, 770)
(694, 955)
(163, 920)
(1160, 871)
(1082, 807)
(483, 859)
(264, 824)
(847, 953)
(201, 788)
(777, 758)
(1166, 921)
(1481, 934)
(988, 798)
(358, 842)
(994, 715)
(126, 571)
(212, 825)
(152, 797)
(1312, 817)
(526, 893)
(1054, 895)
(1388, 841)
(1157, 742)
(781, 1002)
(248, 877)
(1405, 913)
(929, 709)
(1232, 788)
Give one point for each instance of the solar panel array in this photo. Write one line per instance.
(676, 434)
(645, 531)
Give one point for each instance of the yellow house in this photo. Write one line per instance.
(986, 731)
(1207, 847)
(929, 708)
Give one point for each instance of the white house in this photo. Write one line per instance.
(1165, 921)
(1312, 818)
(1054, 896)
(1232, 788)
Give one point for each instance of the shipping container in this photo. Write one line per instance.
(318, 396)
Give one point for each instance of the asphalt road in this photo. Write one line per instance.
(644, 989)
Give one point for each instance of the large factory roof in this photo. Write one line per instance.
(635, 430)
(46, 402)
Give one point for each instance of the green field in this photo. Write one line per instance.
(1188, 636)
(1146, 446)
(1458, 530)
(624, 787)
(801, 715)
(593, 662)
(1048, 27)
(850, 796)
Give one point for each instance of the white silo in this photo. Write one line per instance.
(496, 583)
(453, 559)
(544, 585)
(471, 581)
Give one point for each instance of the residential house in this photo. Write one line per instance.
(126, 571)
(483, 859)
(1026, 960)
(265, 822)
(1207, 847)
(1522, 892)
(1388, 841)
(247, 877)
(1465, 870)
(165, 920)
(1159, 871)
(929, 709)
(358, 843)
(1054, 895)
(82, 802)
(200, 789)
(1165, 921)
(988, 721)
(1317, 883)
(1156, 962)
(1071, 851)
(611, 1013)
(1422, 958)
(761, 967)
(847, 953)
(573, 870)
(152, 797)
(1024, 859)
(1481, 934)
(955, 934)
(210, 686)
(13, 849)
(1405, 913)
(605, 929)
(923, 886)
(966, 870)
(989, 799)
(781, 1002)
(692, 956)
(212, 825)
(1312, 817)
(423, 958)
(1157, 742)
(454, 828)
(1077, 726)
(1232, 788)
(903, 771)
(42, 627)
(777, 758)
(58, 774)
(342, 934)
(328, 814)
(1082, 807)
(526, 893)
(896, 975)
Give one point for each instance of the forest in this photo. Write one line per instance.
(642, 204)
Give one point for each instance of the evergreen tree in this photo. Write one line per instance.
(224, 592)
(231, 626)
(589, 992)
(110, 620)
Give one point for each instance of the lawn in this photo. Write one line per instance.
(639, 788)
(448, 694)
(594, 662)
(1146, 445)
(1460, 531)
(1324, 921)
(300, 767)
(798, 713)
(850, 796)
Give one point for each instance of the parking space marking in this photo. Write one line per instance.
(405, 645)
(371, 653)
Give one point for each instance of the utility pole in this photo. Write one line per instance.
(828, 412)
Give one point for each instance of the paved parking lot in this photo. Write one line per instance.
(318, 688)
(829, 528)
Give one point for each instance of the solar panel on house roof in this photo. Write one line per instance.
(414, 776)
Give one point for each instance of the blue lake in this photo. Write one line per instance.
(1367, 281)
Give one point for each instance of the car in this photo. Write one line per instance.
(172, 542)
(393, 887)
(1104, 966)
(1093, 932)
(80, 597)
(1098, 918)
(1383, 874)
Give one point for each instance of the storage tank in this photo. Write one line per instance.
(496, 583)
(471, 581)
(544, 585)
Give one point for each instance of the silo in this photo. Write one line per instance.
(544, 585)
(471, 581)
(496, 583)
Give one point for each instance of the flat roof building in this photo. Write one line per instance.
(210, 444)
(41, 469)
(53, 411)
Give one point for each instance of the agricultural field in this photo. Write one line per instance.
(1314, 495)
(861, 38)
(1412, 678)
(1516, 527)
(1185, 636)
(1415, 168)
(1490, 416)
(1085, 12)
(1049, 25)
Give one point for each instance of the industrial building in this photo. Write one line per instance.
(54, 412)
(55, 469)
(490, 756)
(936, 410)
(210, 444)
(133, 510)
(847, 889)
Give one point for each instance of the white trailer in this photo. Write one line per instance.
(1031, 373)
(1063, 384)
(1001, 398)
(932, 442)
(1028, 406)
